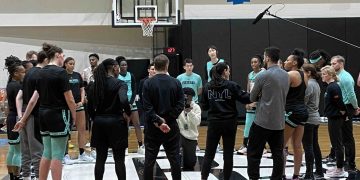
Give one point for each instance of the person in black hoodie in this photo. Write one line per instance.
(163, 103)
(110, 110)
(219, 99)
(334, 110)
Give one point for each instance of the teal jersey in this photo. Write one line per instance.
(127, 80)
(252, 76)
(209, 65)
(347, 85)
(193, 81)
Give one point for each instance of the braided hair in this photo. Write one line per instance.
(100, 75)
(12, 64)
(216, 74)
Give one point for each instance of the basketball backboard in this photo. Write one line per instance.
(128, 12)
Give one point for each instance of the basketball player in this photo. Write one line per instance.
(16, 74)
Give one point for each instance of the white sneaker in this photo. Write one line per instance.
(265, 151)
(242, 150)
(336, 174)
(162, 148)
(27, 178)
(197, 148)
(219, 149)
(67, 160)
(141, 150)
(85, 157)
(330, 170)
(93, 153)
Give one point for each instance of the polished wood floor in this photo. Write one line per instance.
(323, 140)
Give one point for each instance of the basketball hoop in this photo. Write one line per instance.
(147, 25)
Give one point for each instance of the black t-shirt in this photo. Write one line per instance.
(115, 100)
(333, 101)
(12, 90)
(29, 85)
(51, 85)
(76, 82)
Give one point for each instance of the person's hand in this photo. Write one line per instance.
(188, 109)
(357, 112)
(164, 128)
(342, 112)
(19, 125)
(78, 105)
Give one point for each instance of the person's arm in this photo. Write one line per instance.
(133, 89)
(195, 115)
(123, 98)
(29, 108)
(82, 90)
(308, 92)
(200, 86)
(19, 103)
(69, 98)
(358, 80)
(179, 107)
(336, 97)
(241, 95)
(205, 99)
(349, 91)
(256, 91)
(206, 73)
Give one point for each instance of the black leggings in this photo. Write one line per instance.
(119, 158)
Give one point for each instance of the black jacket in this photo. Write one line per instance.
(220, 101)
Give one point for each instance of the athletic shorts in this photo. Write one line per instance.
(109, 131)
(294, 119)
(133, 107)
(13, 137)
(54, 122)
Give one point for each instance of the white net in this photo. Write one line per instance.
(147, 25)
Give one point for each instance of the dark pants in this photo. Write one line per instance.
(119, 158)
(312, 149)
(188, 153)
(348, 138)
(216, 130)
(171, 145)
(258, 137)
(336, 139)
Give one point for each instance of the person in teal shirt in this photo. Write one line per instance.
(347, 84)
(129, 79)
(213, 54)
(190, 79)
(256, 65)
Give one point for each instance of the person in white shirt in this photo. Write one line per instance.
(188, 122)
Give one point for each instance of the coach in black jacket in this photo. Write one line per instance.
(219, 98)
(163, 100)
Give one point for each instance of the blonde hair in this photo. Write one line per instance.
(330, 71)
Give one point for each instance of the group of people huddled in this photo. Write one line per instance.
(46, 97)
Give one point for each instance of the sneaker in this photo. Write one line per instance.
(330, 170)
(318, 175)
(329, 160)
(336, 173)
(67, 160)
(93, 153)
(85, 157)
(197, 148)
(265, 151)
(162, 148)
(219, 149)
(141, 150)
(242, 150)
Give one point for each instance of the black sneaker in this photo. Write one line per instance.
(318, 175)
